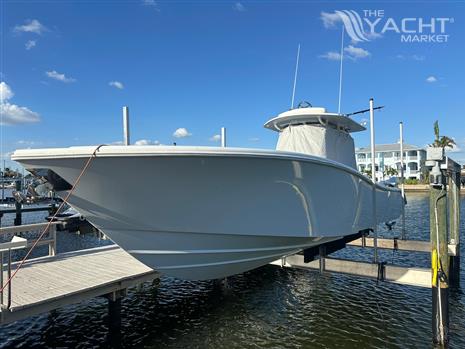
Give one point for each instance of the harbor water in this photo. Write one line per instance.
(269, 307)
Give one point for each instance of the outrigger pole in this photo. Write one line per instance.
(295, 76)
(340, 72)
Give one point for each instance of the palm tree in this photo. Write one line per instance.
(390, 172)
(441, 141)
(367, 172)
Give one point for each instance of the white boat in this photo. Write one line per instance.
(211, 212)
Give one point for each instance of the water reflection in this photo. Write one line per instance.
(268, 307)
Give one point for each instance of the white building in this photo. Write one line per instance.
(388, 156)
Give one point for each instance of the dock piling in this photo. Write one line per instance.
(439, 247)
(402, 179)
(18, 206)
(373, 178)
(322, 253)
(114, 317)
(454, 226)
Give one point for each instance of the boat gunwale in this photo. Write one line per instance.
(165, 151)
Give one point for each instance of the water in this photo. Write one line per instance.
(268, 307)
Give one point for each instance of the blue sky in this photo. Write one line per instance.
(204, 65)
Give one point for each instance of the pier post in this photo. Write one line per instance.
(373, 178)
(223, 137)
(18, 206)
(126, 139)
(402, 179)
(114, 318)
(454, 226)
(439, 258)
(322, 253)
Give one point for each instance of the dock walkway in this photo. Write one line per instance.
(46, 283)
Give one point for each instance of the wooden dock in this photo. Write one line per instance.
(50, 282)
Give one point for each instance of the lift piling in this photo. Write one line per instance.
(454, 226)
(439, 263)
(18, 206)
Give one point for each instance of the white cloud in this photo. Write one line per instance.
(418, 57)
(151, 3)
(412, 57)
(332, 56)
(239, 7)
(351, 51)
(371, 35)
(53, 74)
(457, 147)
(30, 44)
(431, 79)
(5, 92)
(181, 133)
(28, 143)
(31, 26)
(356, 52)
(12, 114)
(215, 138)
(116, 84)
(330, 19)
(457, 152)
(146, 142)
(116, 143)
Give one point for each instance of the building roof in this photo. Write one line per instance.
(387, 147)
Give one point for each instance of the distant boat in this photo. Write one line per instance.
(211, 212)
(5, 185)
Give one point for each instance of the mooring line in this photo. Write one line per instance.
(47, 227)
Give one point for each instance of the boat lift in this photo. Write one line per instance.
(444, 246)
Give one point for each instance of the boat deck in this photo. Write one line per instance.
(46, 283)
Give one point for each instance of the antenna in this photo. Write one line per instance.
(364, 111)
(295, 76)
(340, 71)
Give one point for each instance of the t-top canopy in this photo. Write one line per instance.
(309, 116)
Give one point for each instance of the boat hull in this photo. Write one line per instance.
(199, 256)
(209, 213)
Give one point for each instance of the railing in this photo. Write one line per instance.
(19, 243)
